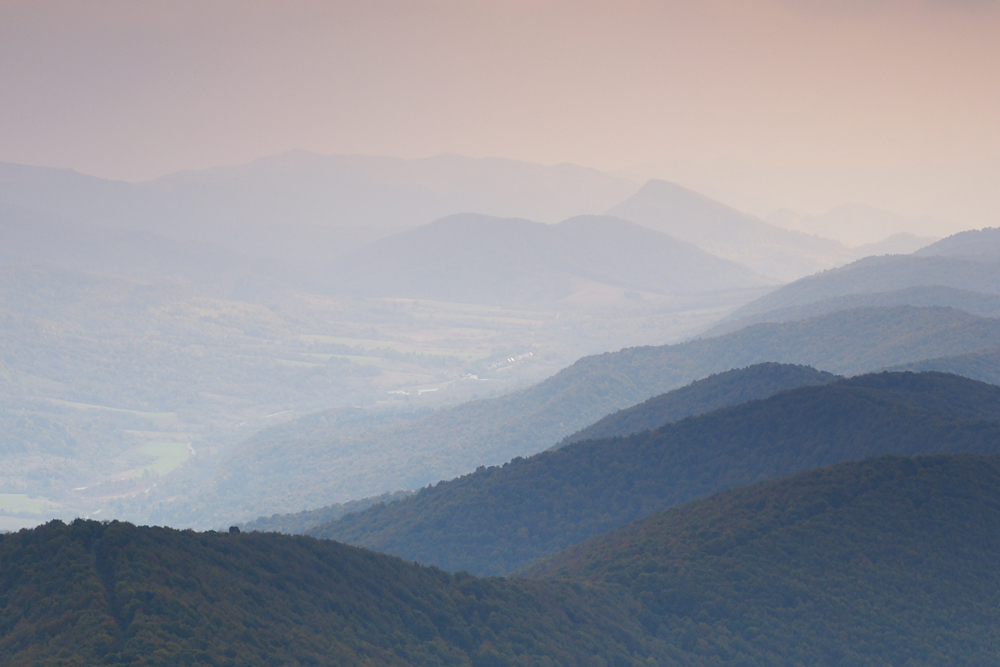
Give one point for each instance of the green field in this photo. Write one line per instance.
(19, 503)
(169, 456)
(155, 416)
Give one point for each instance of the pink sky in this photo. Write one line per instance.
(783, 88)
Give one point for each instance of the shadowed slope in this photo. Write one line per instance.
(716, 391)
(884, 562)
(498, 519)
(116, 594)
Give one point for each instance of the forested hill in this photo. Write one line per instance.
(983, 366)
(305, 465)
(889, 561)
(716, 391)
(114, 594)
(499, 519)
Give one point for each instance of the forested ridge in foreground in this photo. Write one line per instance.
(499, 519)
(889, 561)
(116, 594)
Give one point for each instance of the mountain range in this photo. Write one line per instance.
(497, 520)
(769, 250)
(482, 259)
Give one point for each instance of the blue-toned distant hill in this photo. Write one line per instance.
(882, 274)
(968, 262)
(986, 305)
(891, 561)
(978, 243)
(716, 391)
(499, 519)
(312, 464)
(482, 259)
(983, 366)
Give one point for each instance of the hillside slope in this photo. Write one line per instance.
(313, 466)
(114, 594)
(498, 519)
(889, 561)
(716, 391)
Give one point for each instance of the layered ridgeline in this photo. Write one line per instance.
(729, 233)
(309, 465)
(498, 519)
(716, 391)
(306, 208)
(114, 594)
(983, 366)
(483, 259)
(891, 561)
(966, 264)
(976, 303)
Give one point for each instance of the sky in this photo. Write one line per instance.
(804, 104)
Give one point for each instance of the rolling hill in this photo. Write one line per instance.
(888, 561)
(499, 519)
(983, 366)
(311, 465)
(891, 561)
(964, 262)
(726, 232)
(306, 208)
(482, 259)
(985, 305)
(977, 243)
(716, 391)
(93, 593)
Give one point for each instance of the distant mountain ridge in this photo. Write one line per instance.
(979, 243)
(881, 274)
(499, 519)
(976, 303)
(302, 206)
(726, 232)
(482, 259)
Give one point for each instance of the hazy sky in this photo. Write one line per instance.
(817, 100)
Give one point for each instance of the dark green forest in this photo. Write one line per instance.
(499, 519)
(92, 593)
(888, 561)
(891, 561)
(716, 391)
